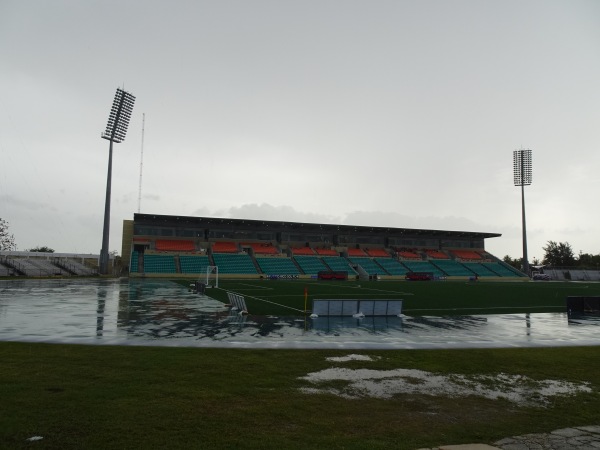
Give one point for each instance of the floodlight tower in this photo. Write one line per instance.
(116, 129)
(523, 172)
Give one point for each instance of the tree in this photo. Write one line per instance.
(588, 260)
(7, 240)
(43, 249)
(559, 254)
(517, 263)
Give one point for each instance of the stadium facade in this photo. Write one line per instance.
(165, 245)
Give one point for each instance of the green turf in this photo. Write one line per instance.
(97, 397)
(419, 298)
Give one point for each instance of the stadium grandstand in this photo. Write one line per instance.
(43, 264)
(179, 246)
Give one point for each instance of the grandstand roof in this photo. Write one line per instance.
(280, 225)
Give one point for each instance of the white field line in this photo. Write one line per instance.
(266, 301)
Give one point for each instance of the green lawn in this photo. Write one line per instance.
(97, 397)
(420, 298)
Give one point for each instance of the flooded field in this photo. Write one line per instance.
(162, 313)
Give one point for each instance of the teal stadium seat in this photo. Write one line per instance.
(311, 265)
(423, 266)
(134, 264)
(371, 267)
(338, 263)
(392, 266)
(277, 266)
(452, 268)
(159, 264)
(480, 270)
(193, 264)
(229, 263)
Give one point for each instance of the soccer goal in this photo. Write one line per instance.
(212, 276)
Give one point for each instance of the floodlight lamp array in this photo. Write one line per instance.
(522, 167)
(118, 119)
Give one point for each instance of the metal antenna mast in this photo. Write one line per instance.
(141, 165)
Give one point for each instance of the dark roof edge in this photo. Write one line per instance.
(338, 227)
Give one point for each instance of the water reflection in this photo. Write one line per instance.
(154, 312)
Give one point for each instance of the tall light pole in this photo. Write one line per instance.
(116, 129)
(522, 171)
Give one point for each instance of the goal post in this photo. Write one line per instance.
(212, 276)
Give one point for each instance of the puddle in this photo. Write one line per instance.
(384, 384)
(155, 312)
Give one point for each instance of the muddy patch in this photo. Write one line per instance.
(384, 384)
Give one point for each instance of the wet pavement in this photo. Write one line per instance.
(576, 438)
(162, 313)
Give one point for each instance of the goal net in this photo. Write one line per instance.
(212, 276)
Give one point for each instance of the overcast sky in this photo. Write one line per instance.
(382, 113)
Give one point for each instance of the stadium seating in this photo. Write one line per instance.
(310, 265)
(452, 268)
(302, 251)
(225, 247)
(436, 254)
(134, 264)
(356, 252)
(423, 266)
(370, 266)
(170, 245)
(234, 264)
(392, 266)
(262, 248)
(159, 264)
(326, 252)
(502, 269)
(193, 264)
(479, 269)
(377, 253)
(277, 266)
(406, 254)
(467, 255)
(338, 263)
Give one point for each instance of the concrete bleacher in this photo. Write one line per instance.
(277, 266)
(310, 265)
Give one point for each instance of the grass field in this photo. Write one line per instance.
(419, 298)
(97, 397)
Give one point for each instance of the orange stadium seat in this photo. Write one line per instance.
(377, 252)
(436, 254)
(467, 254)
(262, 248)
(406, 254)
(326, 252)
(225, 247)
(302, 251)
(174, 246)
(356, 252)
